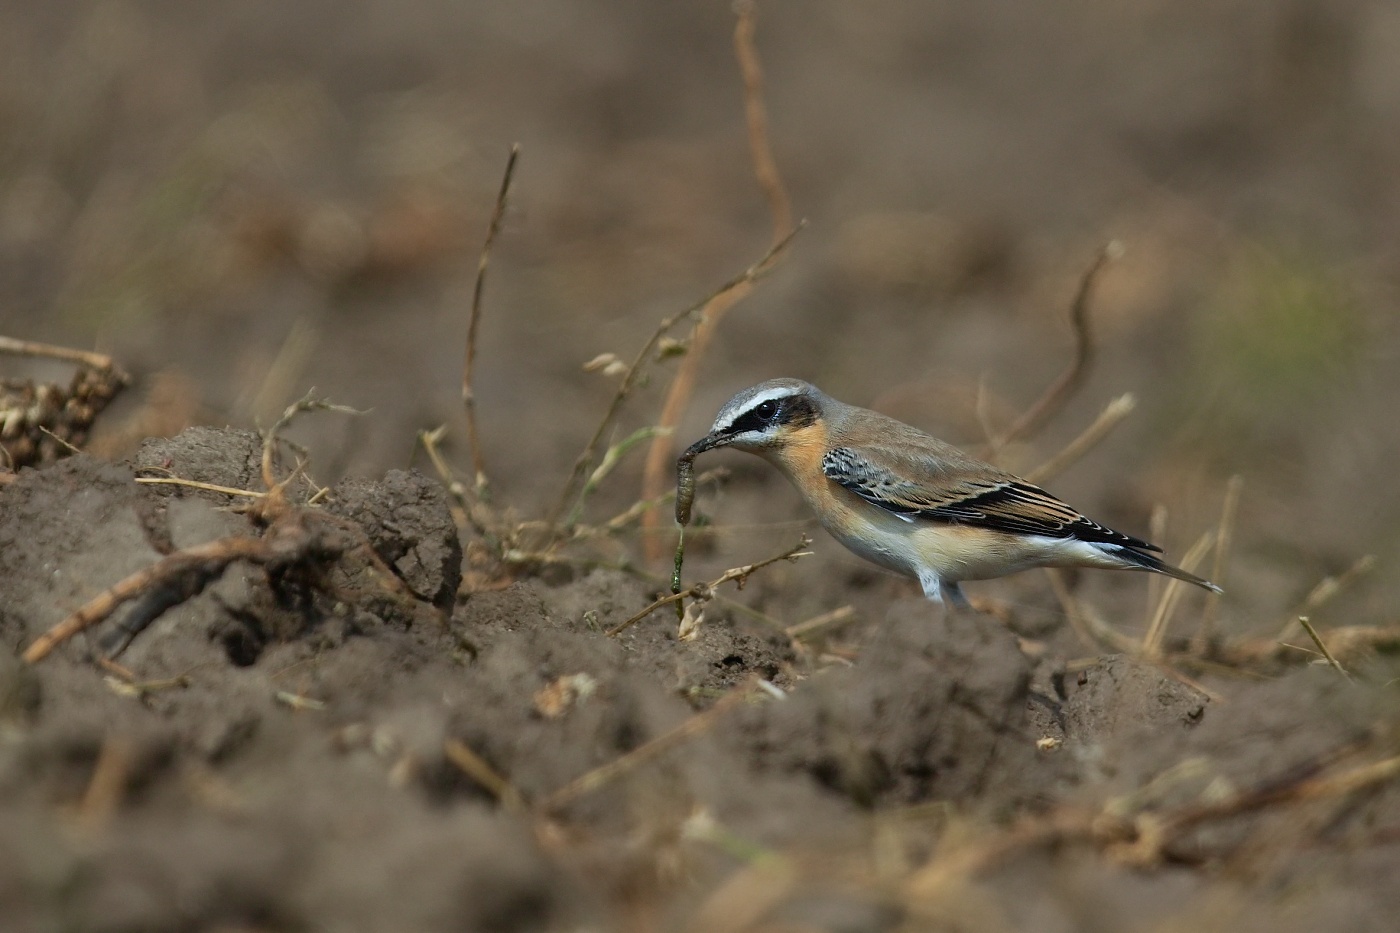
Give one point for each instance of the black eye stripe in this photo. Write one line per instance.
(748, 421)
(795, 411)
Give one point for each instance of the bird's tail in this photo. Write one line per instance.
(1138, 560)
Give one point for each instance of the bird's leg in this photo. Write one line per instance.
(953, 595)
(938, 590)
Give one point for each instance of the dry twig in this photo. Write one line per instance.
(107, 784)
(765, 167)
(1327, 589)
(1114, 413)
(47, 350)
(1322, 647)
(656, 469)
(585, 462)
(1224, 538)
(704, 591)
(1090, 629)
(1157, 628)
(1059, 392)
(1345, 643)
(479, 770)
(826, 619)
(469, 360)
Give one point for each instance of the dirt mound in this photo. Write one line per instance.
(285, 755)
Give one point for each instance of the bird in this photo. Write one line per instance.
(914, 504)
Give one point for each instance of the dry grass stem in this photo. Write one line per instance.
(464, 507)
(703, 591)
(1062, 389)
(286, 368)
(635, 511)
(1322, 646)
(656, 469)
(1224, 539)
(49, 351)
(306, 403)
(107, 785)
(816, 623)
(1311, 784)
(474, 322)
(1171, 592)
(1112, 415)
(611, 458)
(298, 701)
(479, 770)
(195, 484)
(60, 441)
(585, 462)
(745, 898)
(647, 751)
(1156, 583)
(1328, 588)
(1090, 629)
(1344, 642)
(124, 684)
(765, 167)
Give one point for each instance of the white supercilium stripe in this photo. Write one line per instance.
(725, 420)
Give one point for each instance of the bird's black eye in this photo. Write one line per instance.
(766, 410)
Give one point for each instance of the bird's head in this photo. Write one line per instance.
(765, 418)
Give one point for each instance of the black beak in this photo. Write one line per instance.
(708, 442)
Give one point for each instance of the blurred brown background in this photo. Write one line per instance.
(241, 201)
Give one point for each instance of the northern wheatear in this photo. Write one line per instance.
(911, 503)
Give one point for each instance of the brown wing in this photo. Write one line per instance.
(915, 489)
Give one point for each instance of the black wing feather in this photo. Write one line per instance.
(1001, 504)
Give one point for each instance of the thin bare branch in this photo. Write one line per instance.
(611, 458)
(1332, 662)
(108, 783)
(1090, 629)
(308, 402)
(474, 322)
(705, 590)
(1157, 628)
(834, 617)
(765, 167)
(656, 469)
(479, 770)
(1224, 538)
(195, 484)
(1328, 587)
(1114, 413)
(67, 354)
(1060, 391)
(584, 464)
